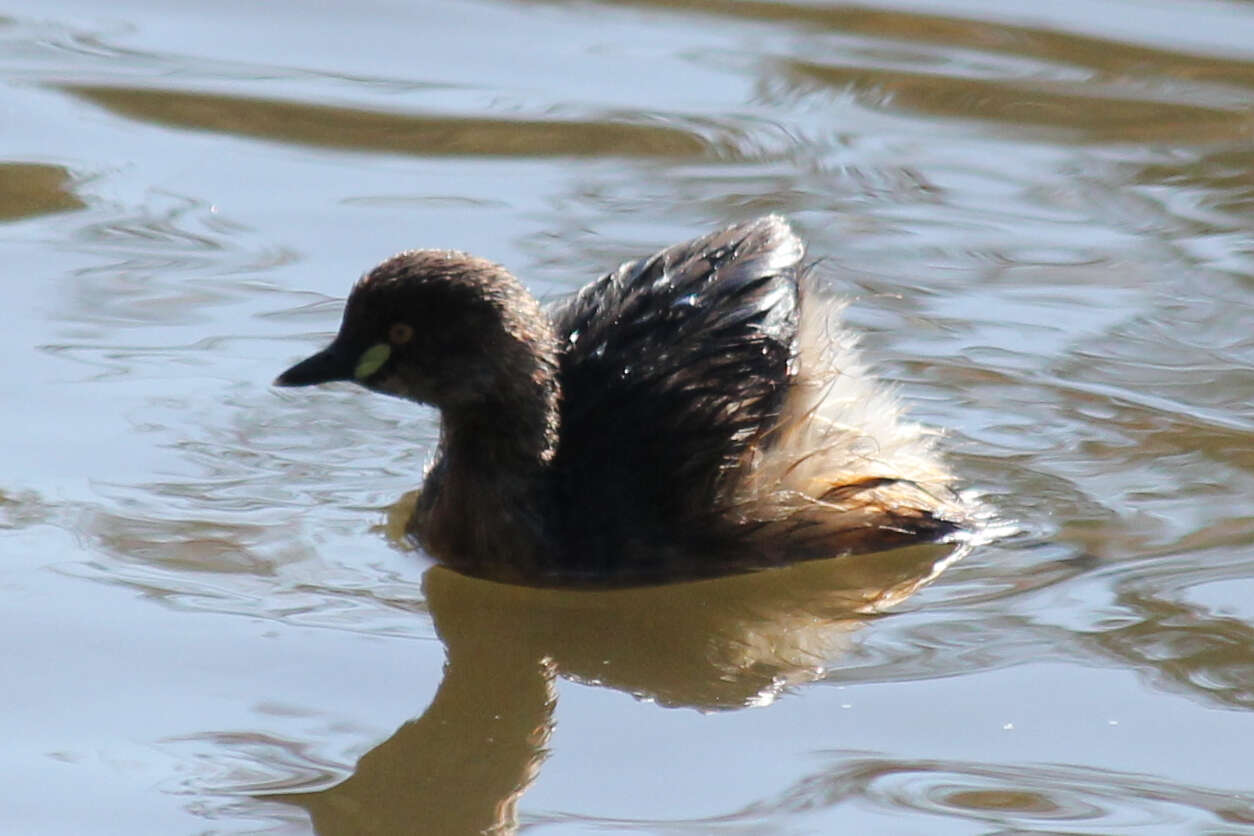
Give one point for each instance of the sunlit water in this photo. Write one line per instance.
(1043, 220)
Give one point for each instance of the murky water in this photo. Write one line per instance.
(1044, 219)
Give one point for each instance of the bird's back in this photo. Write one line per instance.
(703, 421)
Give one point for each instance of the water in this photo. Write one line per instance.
(1042, 218)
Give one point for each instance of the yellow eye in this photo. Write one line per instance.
(400, 333)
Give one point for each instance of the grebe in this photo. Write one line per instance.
(694, 413)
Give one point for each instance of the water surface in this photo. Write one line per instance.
(1042, 219)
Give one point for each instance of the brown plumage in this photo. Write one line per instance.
(690, 414)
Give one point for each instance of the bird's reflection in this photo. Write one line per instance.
(711, 645)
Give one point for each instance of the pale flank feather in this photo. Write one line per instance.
(841, 461)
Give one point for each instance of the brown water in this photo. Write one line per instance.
(1043, 219)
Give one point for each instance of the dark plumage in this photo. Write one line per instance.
(690, 414)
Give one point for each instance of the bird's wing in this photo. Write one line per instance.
(671, 366)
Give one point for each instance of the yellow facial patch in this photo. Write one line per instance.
(372, 359)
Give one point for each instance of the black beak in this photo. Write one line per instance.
(332, 363)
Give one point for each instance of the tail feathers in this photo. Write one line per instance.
(840, 470)
(877, 514)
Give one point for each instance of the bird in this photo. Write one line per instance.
(694, 413)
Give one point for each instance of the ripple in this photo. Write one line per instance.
(426, 135)
(229, 532)
(257, 763)
(1108, 56)
(1022, 796)
(1176, 645)
(1010, 797)
(1079, 110)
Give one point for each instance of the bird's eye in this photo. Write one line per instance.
(400, 333)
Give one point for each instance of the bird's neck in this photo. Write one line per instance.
(486, 504)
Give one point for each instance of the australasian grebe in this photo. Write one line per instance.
(694, 413)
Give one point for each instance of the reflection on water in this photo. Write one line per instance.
(1023, 104)
(338, 127)
(713, 645)
(1182, 646)
(1042, 220)
(28, 190)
